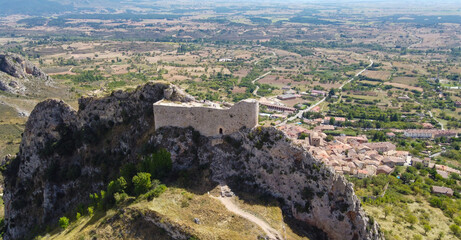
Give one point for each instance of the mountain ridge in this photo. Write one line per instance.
(66, 155)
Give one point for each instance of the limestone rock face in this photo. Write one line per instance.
(18, 67)
(16, 72)
(264, 160)
(176, 94)
(65, 155)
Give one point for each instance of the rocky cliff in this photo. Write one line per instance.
(65, 155)
(17, 74)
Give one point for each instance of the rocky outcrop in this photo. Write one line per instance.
(264, 160)
(16, 72)
(65, 155)
(18, 67)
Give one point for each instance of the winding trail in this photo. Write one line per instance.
(230, 205)
(255, 92)
(227, 197)
(432, 116)
(300, 113)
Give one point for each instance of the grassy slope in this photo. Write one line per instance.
(176, 206)
(11, 127)
(396, 227)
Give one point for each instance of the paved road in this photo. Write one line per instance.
(255, 92)
(300, 113)
(430, 114)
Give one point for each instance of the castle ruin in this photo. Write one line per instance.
(210, 119)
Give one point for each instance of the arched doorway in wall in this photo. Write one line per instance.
(220, 131)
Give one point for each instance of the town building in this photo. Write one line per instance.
(442, 190)
(416, 133)
(318, 93)
(225, 60)
(444, 133)
(278, 108)
(458, 104)
(381, 146)
(443, 174)
(404, 98)
(384, 169)
(427, 125)
(393, 161)
(286, 96)
(324, 128)
(429, 133)
(390, 135)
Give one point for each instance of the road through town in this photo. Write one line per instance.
(300, 113)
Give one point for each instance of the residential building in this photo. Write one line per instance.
(415, 133)
(429, 133)
(443, 174)
(381, 146)
(279, 108)
(390, 134)
(324, 128)
(286, 96)
(442, 190)
(318, 93)
(393, 161)
(384, 169)
(444, 133)
(404, 98)
(427, 126)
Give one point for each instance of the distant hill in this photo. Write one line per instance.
(32, 7)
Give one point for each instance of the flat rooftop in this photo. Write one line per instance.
(205, 104)
(202, 104)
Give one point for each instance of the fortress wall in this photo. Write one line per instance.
(208, 121)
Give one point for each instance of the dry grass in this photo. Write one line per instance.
(404, 86)
(179, 207)
(406, 80)
(182, 207)
(398, 228)
(269, 212)
(381, 75)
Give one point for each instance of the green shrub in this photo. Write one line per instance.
(78, 216)
(456, 230)
(426, 228)
(90, 210)
(457, 220)
(141, 183)
(63, 222)
(157, 164)
(117, 186)
(154, 193)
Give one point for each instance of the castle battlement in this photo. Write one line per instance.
(210, 119)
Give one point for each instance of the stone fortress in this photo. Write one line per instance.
(210, 119)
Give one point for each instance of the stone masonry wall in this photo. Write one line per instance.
(208, 121)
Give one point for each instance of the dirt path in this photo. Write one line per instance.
(230, 205)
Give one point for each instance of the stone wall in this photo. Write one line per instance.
(208, 121)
